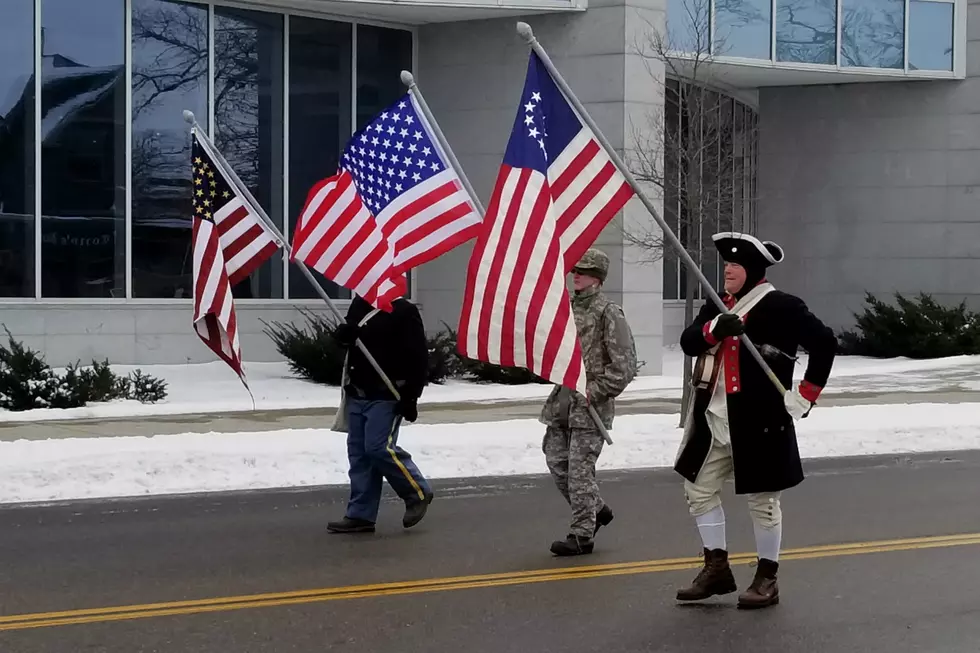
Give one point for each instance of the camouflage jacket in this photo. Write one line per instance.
(609, 354)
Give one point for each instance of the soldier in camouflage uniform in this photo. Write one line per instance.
(572, 442)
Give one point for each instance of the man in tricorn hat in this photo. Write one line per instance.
(572, 442)
(739, 426)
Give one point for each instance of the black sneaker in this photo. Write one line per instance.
(573, 545)
(348, 525)
(602, 518)
(415, 510)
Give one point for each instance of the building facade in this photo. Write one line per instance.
(856, 144)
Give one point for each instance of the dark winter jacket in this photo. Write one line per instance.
(765, 454)
(397, 342)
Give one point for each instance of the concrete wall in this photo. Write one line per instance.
(136, 333)
(874, 187)
(472, 74)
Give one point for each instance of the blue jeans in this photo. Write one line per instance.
(374, 456)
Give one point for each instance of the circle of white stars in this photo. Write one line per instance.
(536, 130)
(390, 156)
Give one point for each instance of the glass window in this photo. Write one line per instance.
(382, 54)
(248, 119)
(319, 120)
(743, 28)
(83, 155)
(930, 35)
(708, 143)
(873, 34)
(170, 74)
(671, 179)
(17, 124)
(688, 26)
(806, 31)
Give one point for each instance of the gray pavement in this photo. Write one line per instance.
(428, 414)
(118, 553)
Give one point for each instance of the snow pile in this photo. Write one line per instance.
(86, 468)
(214, 388)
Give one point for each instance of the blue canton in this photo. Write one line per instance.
(391, 155)
(545, 123)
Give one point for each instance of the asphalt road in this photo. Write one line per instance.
(886, 593)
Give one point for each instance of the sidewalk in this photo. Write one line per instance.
(441, 413)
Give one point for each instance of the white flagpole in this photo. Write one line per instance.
(525, 31)
(409, 80)
(230, 172)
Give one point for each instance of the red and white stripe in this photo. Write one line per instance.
(338, 236)
(226, 252)
(245, 242)
(516, 310)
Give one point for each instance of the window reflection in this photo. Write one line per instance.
(873, 34)
(248, 119)
(170, 68)
(806, 31)
(17, 121)
(743, 28)
(319, 120)
(688, 26)
(83, 156)
(930, 35)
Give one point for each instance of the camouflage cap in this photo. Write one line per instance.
(595, 263)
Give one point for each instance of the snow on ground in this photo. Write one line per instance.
(214, 388)
(86, 468)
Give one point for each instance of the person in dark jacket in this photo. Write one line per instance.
(739, 426)
(397, 341)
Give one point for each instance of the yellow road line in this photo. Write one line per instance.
(144, 611)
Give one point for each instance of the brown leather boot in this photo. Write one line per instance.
(763, 591)
(715, 578)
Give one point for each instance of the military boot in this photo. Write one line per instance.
(763, 591)
(602, 518)
(573, 545)
(715, 578)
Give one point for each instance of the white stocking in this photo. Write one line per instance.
(711, 525)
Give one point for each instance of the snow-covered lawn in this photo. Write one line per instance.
(128, 466)
(214, 388)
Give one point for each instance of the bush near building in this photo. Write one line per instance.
(914, 328)
(27, 382)
(313, 353)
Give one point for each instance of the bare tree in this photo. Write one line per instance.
(693, 155)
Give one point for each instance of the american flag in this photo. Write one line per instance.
(229, 243)
(395, 204)
(555, 192)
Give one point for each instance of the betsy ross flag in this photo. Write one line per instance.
(555, 192)
(395, 204)
(229, 242)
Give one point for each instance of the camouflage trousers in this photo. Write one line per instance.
(571, 455)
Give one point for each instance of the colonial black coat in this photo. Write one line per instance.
(765, 454)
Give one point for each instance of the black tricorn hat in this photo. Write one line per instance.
(747, 250)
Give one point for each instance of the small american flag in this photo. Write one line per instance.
(395, 204)
(555, 192)
(229, 243)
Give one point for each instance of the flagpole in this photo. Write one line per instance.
(409, 80)
(230, 172)
(525, 31)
